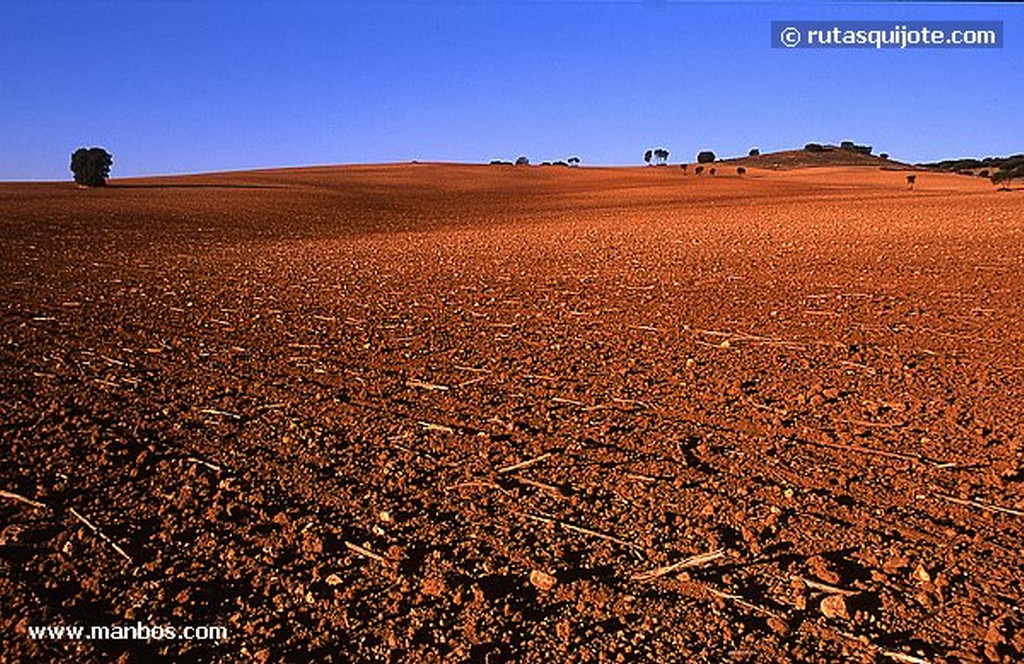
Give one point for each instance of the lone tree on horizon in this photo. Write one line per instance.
(573, 161)
(523, 161)
(91, 166)
(661, 154)
(647, 156)
(706, 157)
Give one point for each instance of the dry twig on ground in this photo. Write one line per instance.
(102, 535)
(692, 561)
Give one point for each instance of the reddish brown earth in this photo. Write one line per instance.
(296, 400)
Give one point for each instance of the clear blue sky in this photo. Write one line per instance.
(190, 86)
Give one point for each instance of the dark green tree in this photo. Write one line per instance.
(91, 166)
(706, 157)
(1007, 175)
(647, 156)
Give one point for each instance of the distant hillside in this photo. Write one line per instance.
(817, 155)
(984, 167)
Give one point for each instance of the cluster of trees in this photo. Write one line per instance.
(91, 166)
(991, 163)
(853, 147)
(525, 161)
(659, 155)
(849, 146)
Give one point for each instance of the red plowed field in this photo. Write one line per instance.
(424, 412)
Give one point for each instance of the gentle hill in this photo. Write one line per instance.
(828, 155)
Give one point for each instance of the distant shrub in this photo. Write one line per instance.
(911, 179)
(711, 171)
(661, 155)
(753, 152)
(862, 149)
(648, 155)
(522, 161)
(91, 166)
(983, 173)
(814, 147)
(847, 145)
(683, 166)
(706, 157)
(699, 170)
(884, 156)
(741, 171)
(499, 162)
(545, 163)
(560, 163)
(574, 160)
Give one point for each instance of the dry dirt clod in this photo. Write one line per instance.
(778, 625)
(542, 580)
(834, 606)
(822, 570)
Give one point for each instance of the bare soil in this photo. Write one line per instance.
(473, 413)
